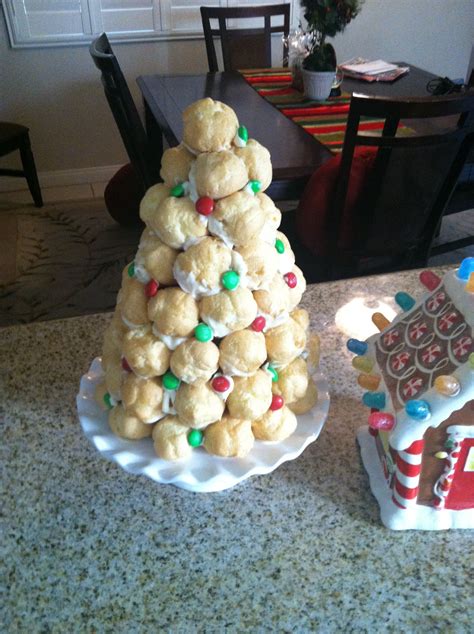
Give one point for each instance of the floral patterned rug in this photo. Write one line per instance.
(62, 260)
(66, 259)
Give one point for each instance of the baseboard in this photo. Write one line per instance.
(63, 178)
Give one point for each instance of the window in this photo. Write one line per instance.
(33, 23)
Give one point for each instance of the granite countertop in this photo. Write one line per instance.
(89, 547)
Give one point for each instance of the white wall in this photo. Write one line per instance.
(57, 93)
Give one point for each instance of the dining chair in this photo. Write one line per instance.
(14, 136)
(144, 155)
(244, 47)
(377, 206)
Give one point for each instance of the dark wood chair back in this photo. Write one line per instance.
(244, 48)
(411, 182)
(144, 158)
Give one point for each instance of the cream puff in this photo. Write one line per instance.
(296, 286)
(251, 396)
(113, 377)
(261, 259)
(301, 316)
(199, 269)
(142, 397)
(313, 348)
(132, 300)
(151, 201)
(285, 255)
(275, 424)
(174, 314)
(292, 381)
(197, 405)
(194, 361)
(272, 217)
(154, 260)
(241, 353)
(209, 126)
(125, 425)
(229, 437)
(285, 342)
(177, 222)
(175, 165)
(218, 174)
(113, 339)
(237, 219)
(146, 355)
(170, 439)
(306, 402)
(228, 311)
(273, 302)
(258, 162)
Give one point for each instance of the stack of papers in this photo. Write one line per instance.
(372, 70)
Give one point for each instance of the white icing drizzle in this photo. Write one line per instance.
(219, 329)
(190, 149)
(153, 419)
(240, 267)
(216, 227)
(130, 324)
(273, 322)
(286, 261)
(249, 190)
(192, 187)
(189, 284)
(169, 397)
(141, 273)
(268, 233)
(238, 142)
(170, 342)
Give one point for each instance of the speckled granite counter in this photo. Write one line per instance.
(89, 547)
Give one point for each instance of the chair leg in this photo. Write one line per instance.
(29, 168)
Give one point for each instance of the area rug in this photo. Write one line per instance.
(62, 260)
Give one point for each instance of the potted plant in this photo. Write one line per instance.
(324, 18)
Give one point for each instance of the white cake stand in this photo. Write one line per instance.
(201, 472)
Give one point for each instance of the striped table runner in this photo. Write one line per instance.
(326, 121)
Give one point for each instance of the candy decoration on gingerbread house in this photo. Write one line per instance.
(418, 448)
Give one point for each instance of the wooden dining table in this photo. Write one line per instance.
(295, 153)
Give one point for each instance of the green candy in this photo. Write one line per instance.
(471, 359)
(195, 437)
(107, 401)
(243, 133)
(255, 186)
(131, 270)
(273, 372)
(279, 246)
(203, 332)
(177, 191)
(230, 280)
(170, 381)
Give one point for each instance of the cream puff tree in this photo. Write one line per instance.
(207, 345)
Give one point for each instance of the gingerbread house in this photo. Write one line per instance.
(418, 448)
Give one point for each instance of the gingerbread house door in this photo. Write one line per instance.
(461, 491)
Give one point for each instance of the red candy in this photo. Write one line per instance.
(125, 365)
(259, 324)
(205, 206)
(290, 279)
(151, 289)
(220, 384)
(381, 420)
(430, 280)
(277, 402)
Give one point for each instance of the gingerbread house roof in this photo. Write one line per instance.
(424, 358)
